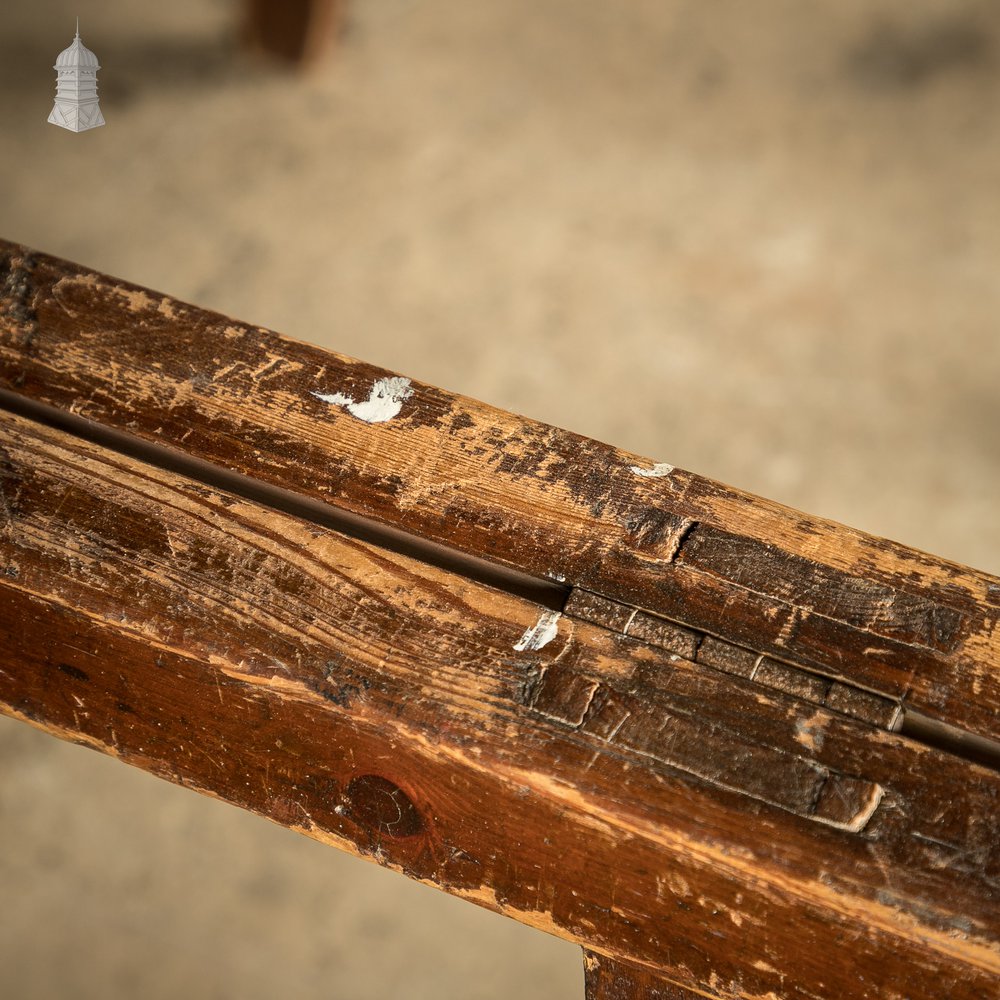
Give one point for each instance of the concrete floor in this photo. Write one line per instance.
(759, 241)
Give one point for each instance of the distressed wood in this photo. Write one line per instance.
(738, 660)
(597, 787)
(608, 980)
(689, 761)
(838, 603)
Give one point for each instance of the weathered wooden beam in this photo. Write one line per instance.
(838, 602)
(687, 750)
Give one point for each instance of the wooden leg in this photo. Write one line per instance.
(298, 31)
(607, 979)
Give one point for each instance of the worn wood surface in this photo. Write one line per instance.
(646, 773)
(914, 628)
(608, 980)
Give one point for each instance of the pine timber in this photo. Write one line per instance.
(700, 770)
(544, 501)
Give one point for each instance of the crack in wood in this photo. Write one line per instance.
(648, 726)
(700, 647)
(812, 587)
(548, 593)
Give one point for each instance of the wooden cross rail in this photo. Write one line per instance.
(730, 749)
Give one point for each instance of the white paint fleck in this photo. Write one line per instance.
(383, 403)
(809, 732)
(541, 633)
(658, 471)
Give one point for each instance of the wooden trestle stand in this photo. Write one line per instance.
(732, 750)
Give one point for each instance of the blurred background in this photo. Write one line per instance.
(759, 241)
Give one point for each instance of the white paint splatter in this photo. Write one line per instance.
(656, 472)
(809, 732)
(383, 403)
(541, 633)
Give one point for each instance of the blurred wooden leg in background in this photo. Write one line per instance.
(296, 31)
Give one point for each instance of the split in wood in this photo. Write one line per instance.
(734, 659)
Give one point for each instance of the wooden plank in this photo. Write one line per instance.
(668, 815)
(851, 607)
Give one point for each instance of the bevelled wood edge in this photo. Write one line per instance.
(581, 782)
(606, 979)
(913, 628)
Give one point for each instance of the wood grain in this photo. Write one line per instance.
(846, 606)
(728, 837)
(609, 980)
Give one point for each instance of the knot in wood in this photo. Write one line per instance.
(379, 804)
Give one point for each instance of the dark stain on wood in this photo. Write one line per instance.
(858, 601)
(667, 635)
(8, 490)
(75, 672)
(725, 656)
(16, 292)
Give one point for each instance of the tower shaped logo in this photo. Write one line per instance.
(76, 106)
